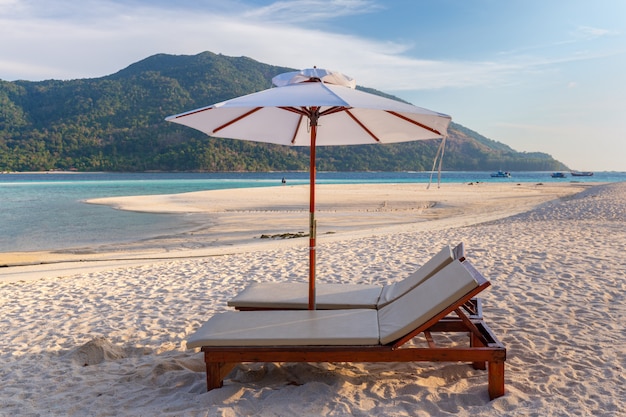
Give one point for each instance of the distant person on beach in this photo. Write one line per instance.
(284, 181)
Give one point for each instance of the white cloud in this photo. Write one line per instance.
(300, 11)
(108, 36)
(65, 39)
(587, 32)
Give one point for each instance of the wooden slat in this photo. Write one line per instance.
(351, 354)
(471, 326)
(429, 339)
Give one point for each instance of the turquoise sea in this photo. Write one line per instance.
(43, 211)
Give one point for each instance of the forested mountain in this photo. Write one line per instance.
(116, 123)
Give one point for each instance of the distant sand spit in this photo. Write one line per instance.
(235, 219)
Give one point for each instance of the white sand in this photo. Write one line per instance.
(111, 342)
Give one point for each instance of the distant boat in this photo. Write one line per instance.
(581, 173)
(558, 175)
(501, 174)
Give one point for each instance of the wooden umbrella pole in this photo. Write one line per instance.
(312, 224)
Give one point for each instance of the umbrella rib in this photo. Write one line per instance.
(301, 112)
(357, 121)
(335, 109)
(236, 119)
(423, 126)
(295, 132)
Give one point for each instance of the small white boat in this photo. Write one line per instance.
(501, 174)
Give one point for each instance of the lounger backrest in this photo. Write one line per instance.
(425, 301)
(397, 289)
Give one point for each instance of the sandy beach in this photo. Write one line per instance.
(101, 331)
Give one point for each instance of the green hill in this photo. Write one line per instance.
(116, 123)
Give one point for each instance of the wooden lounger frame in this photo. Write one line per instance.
(484, 350)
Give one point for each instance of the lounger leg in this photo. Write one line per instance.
(216, 372)
(474, 342)
(496, 379)
(213, 376)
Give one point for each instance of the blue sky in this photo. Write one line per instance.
(538, 75)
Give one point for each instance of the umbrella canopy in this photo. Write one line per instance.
(315, 107)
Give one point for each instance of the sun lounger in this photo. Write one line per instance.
(295, 296)
(359, 335)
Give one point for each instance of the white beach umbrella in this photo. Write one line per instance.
(315, 107)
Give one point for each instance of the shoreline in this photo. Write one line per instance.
(239, 217)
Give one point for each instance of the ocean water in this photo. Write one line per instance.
(44, 211)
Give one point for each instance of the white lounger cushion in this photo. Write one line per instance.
(399, 288)
(288, 328)
(424, 301)
(290, 295)
(338, 327)
(295, 295)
